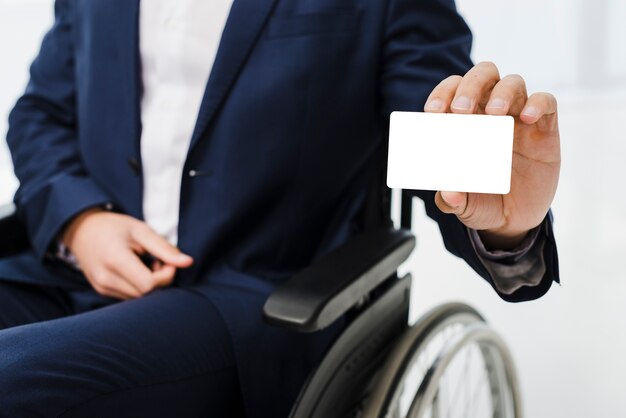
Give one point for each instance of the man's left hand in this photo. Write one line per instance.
(504, 220)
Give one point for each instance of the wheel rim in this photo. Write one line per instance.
(499, 379)
(420, 350)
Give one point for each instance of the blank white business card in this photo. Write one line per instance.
(450, 152)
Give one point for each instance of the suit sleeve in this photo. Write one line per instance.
(425, 42)
(42, 137)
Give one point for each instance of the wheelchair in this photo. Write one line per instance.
(448, 364)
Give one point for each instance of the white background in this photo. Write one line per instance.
(570, 346)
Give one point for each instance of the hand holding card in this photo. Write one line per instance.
(472, 161)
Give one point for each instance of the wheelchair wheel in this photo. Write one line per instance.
(449, 364)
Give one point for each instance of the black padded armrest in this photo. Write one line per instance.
(321, 293)
(13, 238)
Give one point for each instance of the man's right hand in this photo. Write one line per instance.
(108, 247)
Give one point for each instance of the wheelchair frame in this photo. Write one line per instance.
(364, 372)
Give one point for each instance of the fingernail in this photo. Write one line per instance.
(183, 258)
(462, 103)
(531, 111)
(496, 104)
(434, 104)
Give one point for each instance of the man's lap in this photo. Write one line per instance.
(272, 363)
(169, 349)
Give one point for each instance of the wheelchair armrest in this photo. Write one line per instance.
(13, 238)
(317, 296)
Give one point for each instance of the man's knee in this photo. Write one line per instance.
(163, 341)
(34, 380)
(72, 366)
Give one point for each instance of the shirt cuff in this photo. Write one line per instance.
(505, 256)
(511, 270)
(64, 254)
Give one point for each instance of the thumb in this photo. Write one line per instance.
(476, 210)
(453, 203)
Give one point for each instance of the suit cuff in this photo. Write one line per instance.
(46, 212)
(512, 270)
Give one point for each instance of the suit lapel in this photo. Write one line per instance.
(126, 12)
(126, 35)
(245, 22)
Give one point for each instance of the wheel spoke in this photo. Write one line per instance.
(457, 389)
(465, 385)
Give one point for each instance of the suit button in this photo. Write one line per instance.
(198, 173)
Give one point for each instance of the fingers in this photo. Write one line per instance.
(128, 266)
(164, 275)
(441, 97)
(482, 89)
(473, 91)
(464, 94)
(108, 248)
(135, 278)
(508, 97)
(541, 108)
(124, 276)
(109, 284)
(159, 247)
(129, 278)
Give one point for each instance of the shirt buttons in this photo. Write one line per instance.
(193, 173)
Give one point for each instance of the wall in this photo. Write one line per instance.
(22, 25)
(569, 345)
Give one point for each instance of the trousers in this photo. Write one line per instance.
(78, 354)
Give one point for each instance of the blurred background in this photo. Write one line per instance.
(570, 346)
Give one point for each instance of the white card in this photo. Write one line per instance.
(450, 152)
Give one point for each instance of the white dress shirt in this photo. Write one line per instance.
(178, 43)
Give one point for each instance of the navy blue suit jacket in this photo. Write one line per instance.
(284, 149)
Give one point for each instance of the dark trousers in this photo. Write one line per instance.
(77, 354)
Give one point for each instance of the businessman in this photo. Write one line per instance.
(178, 160)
